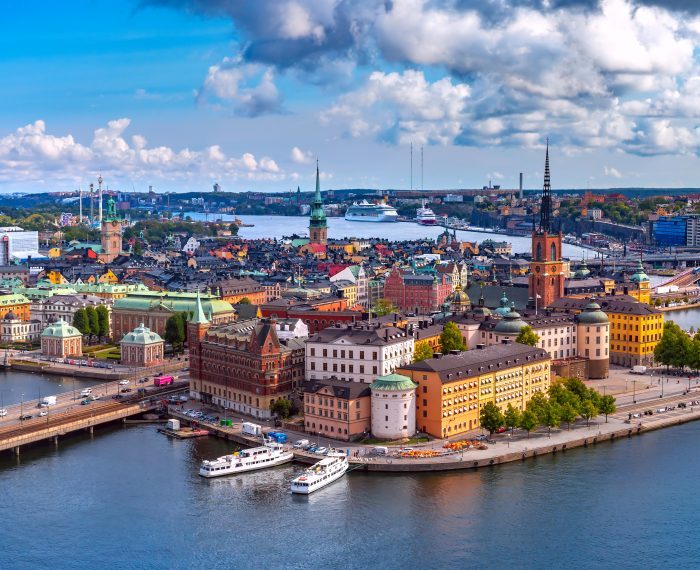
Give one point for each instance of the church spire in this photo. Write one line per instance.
(546, 206)
(199, 317)
(317, 196)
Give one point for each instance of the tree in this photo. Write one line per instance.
(233, 228)
(667, 348)
(528, 421)
(538, 405)
(423, 351)
(588, 411)
(512, 417)
(491, 417)
(551, 416)
(282, 407)
(451, 338)
(568, 413)
(103, 321)
(93, 321)
(244, 301)
(607, 406)
(527, 336)
(384, 307)
(175, 332)
(80, 321)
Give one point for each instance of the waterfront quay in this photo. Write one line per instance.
(69, 415)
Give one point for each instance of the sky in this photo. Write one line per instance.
(180, 94)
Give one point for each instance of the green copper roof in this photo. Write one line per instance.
(504, 307)
(393, 382)
(175, 302)
(111, 214)
(592, 315)
(142, 335)
(511, 323)
(60, 329)
(582, 272)
(639, 274)
(318, 216)
(198, 318)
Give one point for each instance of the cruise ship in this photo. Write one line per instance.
(367, 212)
(329, 469)
(268, 455)
(425, 216)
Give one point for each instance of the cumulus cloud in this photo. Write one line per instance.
(248, 89)
(31, 153)
(591, 73)
(611, 171)
(301, 156)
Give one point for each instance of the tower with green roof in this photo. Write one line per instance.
(318, 225)
(111, 233)
(640, 281)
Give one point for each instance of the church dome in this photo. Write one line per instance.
(510, 323)
(504, 306)
(458, 297)
(592, 315)
(582, 272)
(639, 274)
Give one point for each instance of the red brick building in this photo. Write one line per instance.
(421, 293)
(243, 365)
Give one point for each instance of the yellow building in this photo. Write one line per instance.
(640, 286)
(347, 290)
(635, 328)
(452, 388)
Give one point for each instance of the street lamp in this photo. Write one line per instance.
(634, 391)
(21, 406)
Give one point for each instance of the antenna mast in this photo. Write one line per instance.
(421, 168)
(411, 166)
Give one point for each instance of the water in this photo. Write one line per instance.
(131, 498)
(338, 228)
(685, 319)
(16, 386)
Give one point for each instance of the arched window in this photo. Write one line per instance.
(553, 252)
(538, 257)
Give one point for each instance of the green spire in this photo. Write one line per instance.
(318, 216)
(199, 318)
(111, 214)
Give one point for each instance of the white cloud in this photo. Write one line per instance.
(612, 172)
(30, 154)
(301, 156)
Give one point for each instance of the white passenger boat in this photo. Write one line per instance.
(425, 216)
(367, 212)
(329, 469)
(268, 455)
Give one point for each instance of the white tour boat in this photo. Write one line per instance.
(329, 469)
(425, 216)
(268, 455)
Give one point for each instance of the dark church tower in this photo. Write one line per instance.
(318, 226)
(546, 269)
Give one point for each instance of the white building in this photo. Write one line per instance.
(355, 274)
(16, 244)
(65, 306)
(17, 330)
(191, 246)
(291, 328)
(357, 353)
(393, 407)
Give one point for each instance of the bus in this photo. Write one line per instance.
(163, 380)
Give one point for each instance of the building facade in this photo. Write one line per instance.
(61, 340)
(337, 409)
(419, 293)
(357, 353)
(453, 388)
(142, 347)
(393, 407)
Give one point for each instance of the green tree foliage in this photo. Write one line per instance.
(94, 321)
(528, 421)
(607, 406)
(81, 322)
(244, 301)
(423, 351)
(491, 417)
(568, 413)
(103, 321)
(282, 407)
(551, 415)
(527, 336)
(175, 331)
(512, 417)
(674, 348)
(451, 338)
(383, 307)
(588, 411)
(538, 406)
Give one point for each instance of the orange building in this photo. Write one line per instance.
(234, 290)
(16, 303)
(337, 409)
(452, 388)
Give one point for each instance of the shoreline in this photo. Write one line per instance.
(679, 308)
(504, 451)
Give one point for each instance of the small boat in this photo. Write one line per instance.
(425, 216)
(268, 455)
(329, 469)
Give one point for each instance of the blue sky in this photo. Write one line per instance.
(182, 93)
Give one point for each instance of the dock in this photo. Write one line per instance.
(186, 433)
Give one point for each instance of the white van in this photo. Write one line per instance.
(300, 443)
(86, 392)
(381, 450)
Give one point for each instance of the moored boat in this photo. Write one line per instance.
(268, 455)
(329, 469)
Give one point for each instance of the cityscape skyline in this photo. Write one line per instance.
(180, 95)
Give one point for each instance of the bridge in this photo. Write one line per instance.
(687, 278)
(14, 435)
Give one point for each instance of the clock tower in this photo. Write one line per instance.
(547, 268)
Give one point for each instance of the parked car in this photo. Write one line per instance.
(25, 417)
(3, 412)
(321, 450)
(43, 413)
(300, 443)
(84, 402)
(124, 382)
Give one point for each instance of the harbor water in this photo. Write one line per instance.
(131, 498)
(338, 228)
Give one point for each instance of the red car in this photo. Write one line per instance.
(501, 430)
